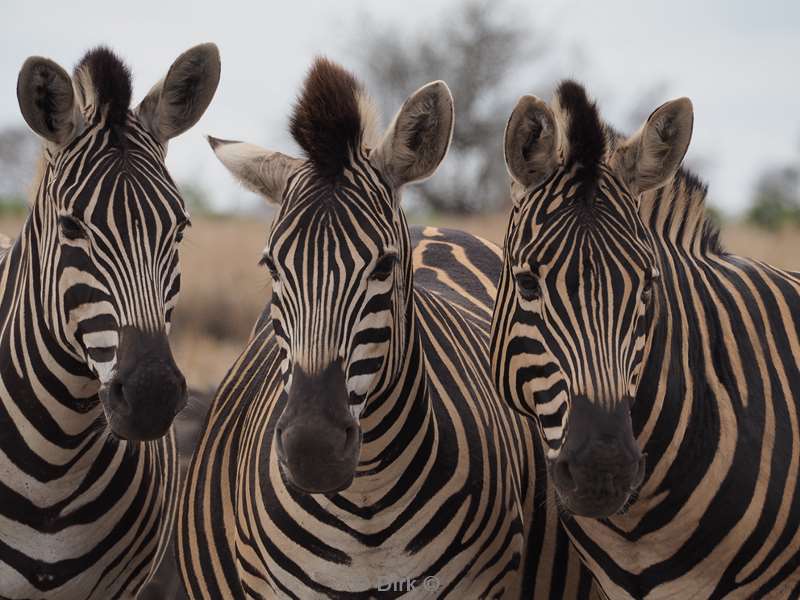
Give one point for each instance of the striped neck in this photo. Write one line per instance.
(673, 390)
(42, 375)
(676, 216)
(397, 422)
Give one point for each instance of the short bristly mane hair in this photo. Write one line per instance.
(332, 117)
(585, 133)
(110, 81)
(590, 141)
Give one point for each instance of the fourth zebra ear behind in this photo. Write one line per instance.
(357, 447)
(662, 372)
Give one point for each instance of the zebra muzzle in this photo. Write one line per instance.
(318, 440)
(147, 389)
(599, 465)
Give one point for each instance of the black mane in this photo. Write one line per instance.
(327, 122)
(111, 80)
(686, 195)
(586, 136)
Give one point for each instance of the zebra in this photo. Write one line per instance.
(357, 447)
(88, 384)
(661, 371)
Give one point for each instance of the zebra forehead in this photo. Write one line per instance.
(104, 82)
(338, 218)
(332, 118)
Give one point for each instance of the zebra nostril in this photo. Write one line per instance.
(118, 391)
(117, 400)
(180, 405)
(351, 435)
(641, 469)
(279, 441)
(563, 475)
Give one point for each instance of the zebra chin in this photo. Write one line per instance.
(147, 390)
(318, 440)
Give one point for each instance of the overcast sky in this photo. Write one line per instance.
(737, 60)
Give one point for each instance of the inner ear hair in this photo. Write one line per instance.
(261, 171)
(650, 157)
(531, 142)
(418, 138)
(178, 101)
(47, 100)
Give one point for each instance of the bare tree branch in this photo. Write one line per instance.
(476, 51)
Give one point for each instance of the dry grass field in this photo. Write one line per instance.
(224, 290)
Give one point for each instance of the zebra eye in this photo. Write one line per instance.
(71, 228)
(384, 267)
(647, 291)
(528, 286)
(266, 261)
(180, 233)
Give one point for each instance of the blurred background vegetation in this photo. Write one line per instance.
(483, 52)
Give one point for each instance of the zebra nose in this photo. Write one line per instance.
(563, 476)
(143, 402)
(317, 437)
(597, 480)
(601, 458)
(148, 389)
(325, 442)
(318, 457)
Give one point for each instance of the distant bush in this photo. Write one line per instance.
(776, 201)
(715, 215)
(479, 50)
(12, 206)
(196, 198)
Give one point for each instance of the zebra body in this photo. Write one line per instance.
(86, 292)
(437, 501)
(632, 337)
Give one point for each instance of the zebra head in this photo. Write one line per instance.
(107, 220)
(340, 259)
(577, 297)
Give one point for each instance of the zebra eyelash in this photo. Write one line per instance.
(266, 261)
(528, 285)
(71, 228)
(384, 267)
(182, 230)
(647, 291)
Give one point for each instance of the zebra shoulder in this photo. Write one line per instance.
(459, 266)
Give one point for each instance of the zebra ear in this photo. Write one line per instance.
(257, 169)
(650, 157)
(178, 101)
(47, 100)
(531, 142)
(417, 140)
